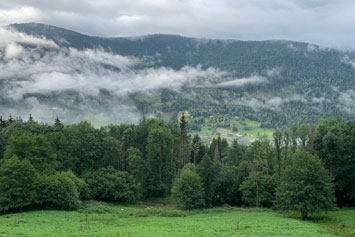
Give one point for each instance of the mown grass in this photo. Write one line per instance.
(105, 219)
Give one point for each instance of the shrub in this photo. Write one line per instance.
(188, 190)
(81, 186)
(19, 182)
(109, 184)
(59, 191)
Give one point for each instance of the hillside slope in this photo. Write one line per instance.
(63, 73)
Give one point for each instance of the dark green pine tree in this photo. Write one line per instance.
(160, 168)
(208, 172)
(278, 150)
(58, 125)
(184, 142)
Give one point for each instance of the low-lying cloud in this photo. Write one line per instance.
(274, 104)
(242, 82)
(95, 85)
(346, 59)
(347, 101)
(86, 71)
(33, 65)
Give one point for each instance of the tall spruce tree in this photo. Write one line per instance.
(184, 142)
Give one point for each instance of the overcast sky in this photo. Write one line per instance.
(325, 22)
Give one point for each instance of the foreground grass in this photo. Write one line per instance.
(340, 222)
(101, 219)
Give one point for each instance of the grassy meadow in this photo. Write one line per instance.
(246, 136)
(104, 219)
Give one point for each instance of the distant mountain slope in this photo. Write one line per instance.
(274, 82)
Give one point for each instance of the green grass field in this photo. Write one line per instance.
(101, 219)
(207, 133)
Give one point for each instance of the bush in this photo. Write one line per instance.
(59, 191)
(19, 183)
(109, 184)
(188, 190)
(94, 207)
(81, 186)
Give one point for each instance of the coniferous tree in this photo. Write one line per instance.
(136, 163)
(196, 149)
(184, 141)
(235, 154)
(208, 172)
(278, 150)
(160, 166)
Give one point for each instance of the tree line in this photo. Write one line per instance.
(306, 168)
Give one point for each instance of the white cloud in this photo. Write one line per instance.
(85, 71)
(11, 37)
(274, 103)
(45, 68)
(274, 72)
(242, 82)
(346, 59)
(12, 50)
(347, 101)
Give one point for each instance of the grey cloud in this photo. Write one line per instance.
(325, 22)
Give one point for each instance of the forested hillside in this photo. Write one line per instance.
(113, 80)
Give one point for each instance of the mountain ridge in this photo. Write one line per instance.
(273, 82)
(32, 27)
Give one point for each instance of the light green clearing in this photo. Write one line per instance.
(208, 132)
(135, 220)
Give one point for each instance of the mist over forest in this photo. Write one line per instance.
(177, 118)
(51, 72)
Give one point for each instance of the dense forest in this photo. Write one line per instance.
(275, 83)
(307, 168)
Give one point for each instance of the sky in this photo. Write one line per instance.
(329, 23)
